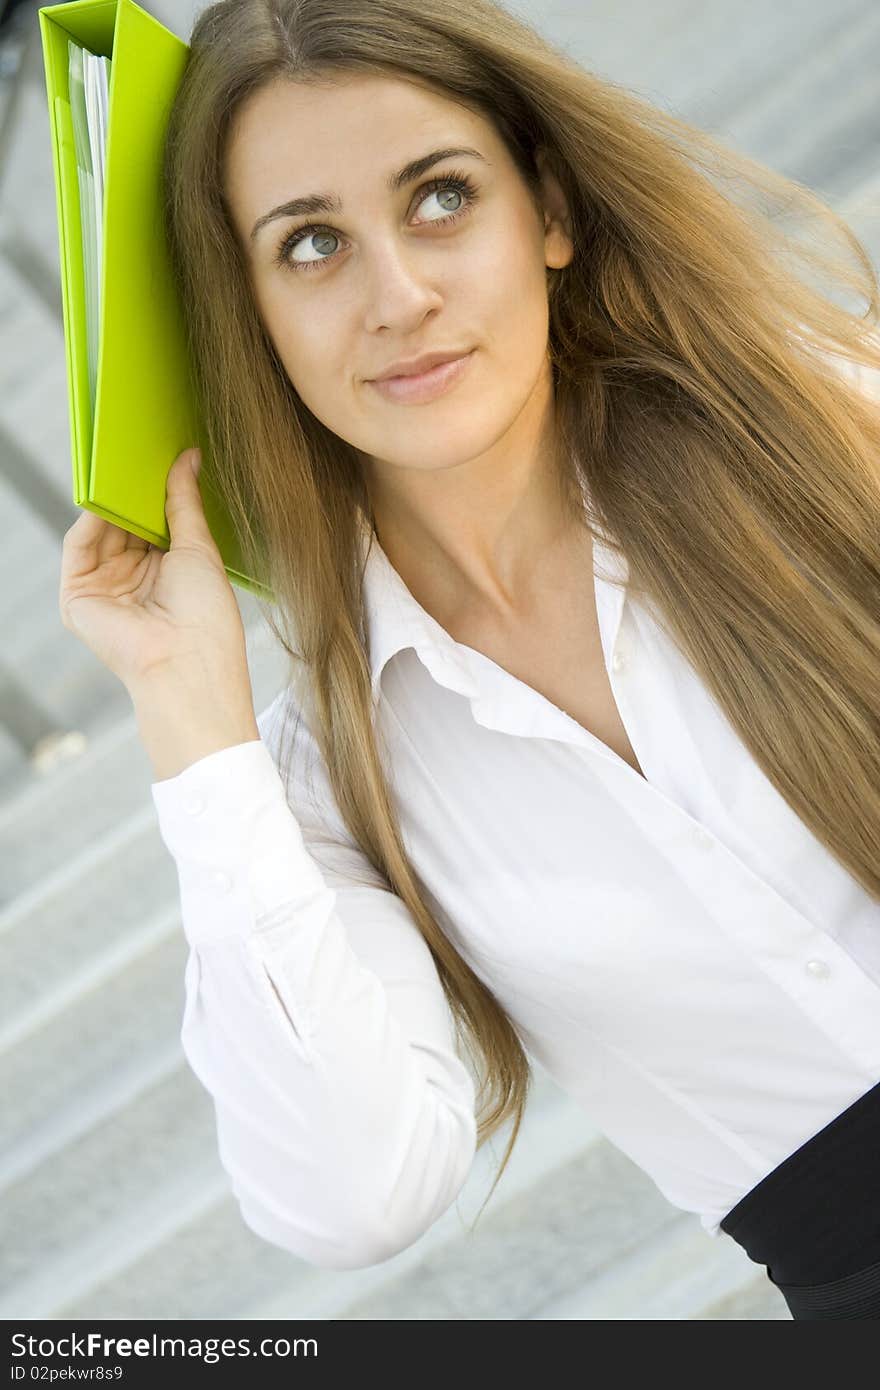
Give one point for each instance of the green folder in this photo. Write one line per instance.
(145, 412)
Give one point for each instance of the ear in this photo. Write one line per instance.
(558, 243)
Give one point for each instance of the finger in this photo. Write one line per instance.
(84, 544)
(93, 536)
(85, 531)
(183, 504)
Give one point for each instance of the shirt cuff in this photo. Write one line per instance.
(238, 848)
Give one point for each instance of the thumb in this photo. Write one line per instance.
(184, 509)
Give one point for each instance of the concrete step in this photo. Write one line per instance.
(48, 821)
(94, 1049)
(554, 1132)
(216, 1253)
(122, 1185)
(83, 921)
(83, 1249)
(678, 1273)
(544, 1244)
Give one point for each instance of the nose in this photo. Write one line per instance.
(399, 288)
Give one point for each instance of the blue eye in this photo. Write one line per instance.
(458, 182)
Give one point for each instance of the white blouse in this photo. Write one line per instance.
(679, 951)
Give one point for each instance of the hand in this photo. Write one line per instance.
(147, 613)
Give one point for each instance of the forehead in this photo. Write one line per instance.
(291, 138)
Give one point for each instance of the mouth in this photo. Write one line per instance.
(426, 386)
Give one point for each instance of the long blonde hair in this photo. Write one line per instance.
(699, 401)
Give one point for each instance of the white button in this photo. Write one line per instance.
(194, 806)
(222, 881)
(703, 837)
(818, 967)
(618, 661)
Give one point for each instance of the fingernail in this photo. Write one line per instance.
(196, 461)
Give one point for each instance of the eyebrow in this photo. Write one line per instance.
(326, 202)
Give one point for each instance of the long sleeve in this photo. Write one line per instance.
(314, 1015)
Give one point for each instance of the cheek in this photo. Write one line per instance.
(504, 291)
(305, 349)
(517, 321)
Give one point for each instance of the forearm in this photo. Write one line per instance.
(180, 722)
(316, 1020)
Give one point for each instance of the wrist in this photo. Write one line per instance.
(177, 729)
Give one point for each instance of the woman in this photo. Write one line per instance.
(584, 642)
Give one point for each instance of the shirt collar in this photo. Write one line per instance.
(396, 620)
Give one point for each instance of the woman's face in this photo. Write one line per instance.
(395, 269)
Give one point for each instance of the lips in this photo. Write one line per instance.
(424, 386)
(418, 365)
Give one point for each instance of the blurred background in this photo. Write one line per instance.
(112, 1198)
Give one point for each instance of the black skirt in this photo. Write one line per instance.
(815, 1220)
